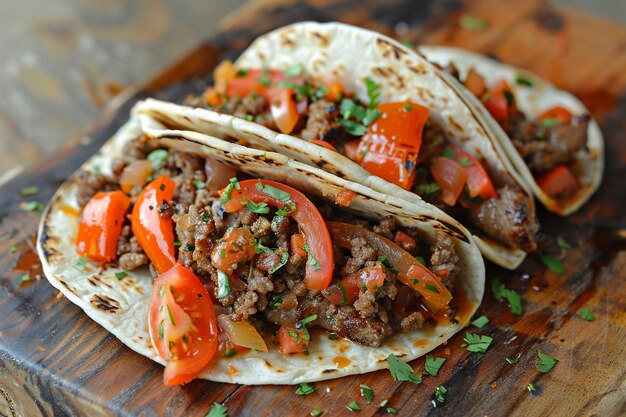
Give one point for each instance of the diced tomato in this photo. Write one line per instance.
(257, 81)
(478, 181)
(233, 250)
(371, 278)
(319, 267)
(283, 108)
(559, 113)
(403, 240)
(450, 176)
(475, 83)
(391, 145)
(291, 340)
(344, 197)
(326, 144)
(155, 234)
(410, 271)
(558, 183)
(351, 149)
(183, 326)
(335, 91)
(498, 104)
(297, 245)
(344, 292)
(101, 224)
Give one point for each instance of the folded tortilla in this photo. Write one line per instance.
(121, 306)
(587, 163)
(334, 52)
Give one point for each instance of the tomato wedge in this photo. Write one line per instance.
(559, 113)
(101, 224)
(344, 292)
(450, 176)
(390, 147)
(478, 181)
(231, 251)
(558, 183)
(410, 271)
(183, 326)
(325, 144)
(155, 234)
(283, 108)
(319, 267)
(499, 101)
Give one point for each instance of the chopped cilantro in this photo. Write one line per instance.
(24, 278)
(553, 264)
(223, 285)
(287, 209)
(260, 248)
(316, 412)
(373, 91)
(229, 190)
(367, 392)
(465, 162)
(531, 387)
(80, 263)
(477, 343)
(120, 275)
(353, 128)
(354, 406)
(513, 361)
(480, 322)
(433, 364)
(402, 371)
(275, 301)
(26, 191)
(546, 363)
(477, 24)
(383, 403)
(308, 320)
(230, 353)
(189, 248)
(13, 249)
(260, 208)
(407, 106)
(242, 73)
(562, 243)
(264, 79)
(370, 116)
(385, 261)
(510, 98)
(294, 71)
(177, 244)
(501, 292)
(420, 260)
(449, 153)
(432, 288)
(391, 410)
(586, 313)
(440, 396)
(31, 206)
(549, 122)
(284, 257)
(199, 184)
(158, 157)
(305, 389)
(205, 217)
(218, 410)
(523, 80)
(277, 193)
(310, 259)
(428, 188)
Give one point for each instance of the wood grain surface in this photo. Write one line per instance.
(55, 361)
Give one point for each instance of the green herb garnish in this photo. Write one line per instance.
(158, 157)
(80, 263)
(373, 91)
(24, 278)
(440, 396)
(199, 184)
(586, 313)
(433, 364)
(383, 259)
(26, 191)
(531, 387)
(218, 410)
(472, 23)
(402, 371)
(260, 208)
(428, 188)
(367, 392)
(230, 353)
(523, 80)
(408, 107)
(120, 275)
(13, 249)
(553, 264)
(223, 285)
(353, 128)
(354, 406)
(546, 363)
(465, 162)
(501, 292)
(480, 322)
(294, 71)
(279, 194)
(316, 412)
(513, 361)
(477, 343)
(284, 257)
(562, 243)
(261, 248)
(31, 206)
(242, 73)
(275, 301)
(549, 122)
(310, 259)
(305, 389)
(449, 153)
(229, 189)
(432, 288)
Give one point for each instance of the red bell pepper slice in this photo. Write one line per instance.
(558, 183)
(450, 176)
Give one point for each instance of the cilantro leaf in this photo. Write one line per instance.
(553, 263)
(229, 190)
(294, 71)
(260, 248)
(428, 188)
(277, 193)
(562, 243)
(80, 264)
(433, 364)
(465, 162)
(353, 128)
(354, 406)
(440, 396)
(284, 257)
(523, 80)
(260, 208)
(549, 122)
(31, 206)
(316, 412)
(310, 259)
(305, 389)
(531, 387)
(218, 410)
(402, 371)
(120, 275)
(24, 278)
(275, 301)
(26, 191)
(480, 322)
(501, 292)
(373, 91)
(367, 392)
(477, 343)
(586, 313)
(223, 285)
(158, 157)
(472, 23)
(199, 184)
(546, 363)
(449, 153)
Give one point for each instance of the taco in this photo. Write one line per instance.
(364, 107)
(549, 135)
(243, 266)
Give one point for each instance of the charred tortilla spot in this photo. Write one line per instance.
(329, 371)
(454, 124)
(323, 40)
(66, 285)
(91, 281)
(387, 49)
(105, 303)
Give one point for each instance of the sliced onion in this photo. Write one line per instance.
(242, 333)
(218, 174)
(135, 174)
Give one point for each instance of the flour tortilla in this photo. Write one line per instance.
(532, 101)
(121, 306)
(334, 52)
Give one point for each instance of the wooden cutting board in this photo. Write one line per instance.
(55, 361)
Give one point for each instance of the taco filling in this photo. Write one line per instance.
(397, 141)
(548, 143)
(244, 263)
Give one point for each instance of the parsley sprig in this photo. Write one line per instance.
(402, 371)
(500, 292)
